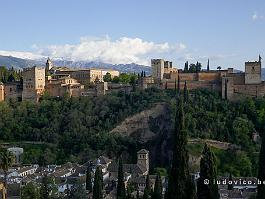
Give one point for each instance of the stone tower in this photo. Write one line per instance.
(48, 65)
(2, 92)
(158, 68)
(143, 159)
(33, 83)
(253, 72)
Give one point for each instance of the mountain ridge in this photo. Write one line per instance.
(19, 63)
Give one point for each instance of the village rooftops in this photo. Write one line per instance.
(129, 168)
(143, 151)
(102, 160)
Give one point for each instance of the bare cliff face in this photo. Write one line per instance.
(151, 128)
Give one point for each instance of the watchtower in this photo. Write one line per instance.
(253, 72)
(143, 159)
(158, 68)
(48, 65)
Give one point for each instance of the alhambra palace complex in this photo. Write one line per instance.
(58, 81)
(232, 85)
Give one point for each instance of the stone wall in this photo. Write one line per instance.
(209, 76)
(192, 85)
(188, 76)
(2, 92)
(13, 90)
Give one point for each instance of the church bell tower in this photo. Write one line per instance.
(48, 65)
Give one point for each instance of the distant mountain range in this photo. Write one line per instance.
(19, 63)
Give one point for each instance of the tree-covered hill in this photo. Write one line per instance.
(77, 129)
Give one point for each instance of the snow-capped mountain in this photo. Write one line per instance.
(20, 63)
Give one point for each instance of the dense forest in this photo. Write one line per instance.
(77, 129)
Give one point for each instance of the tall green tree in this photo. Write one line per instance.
(157, 194)
(107, 77)
(178, 88)
(6, 160)
(179, 177)
(208, 65)
(30, 191)
(121, 192)
(192, 68)
(77, 192)
(261, 171)
(206, 186)
(198, 67)
(186, 67)
(98, 186)
(88, 180)
(186, 93)
(147, 190)
(47, 188)
(230, 186)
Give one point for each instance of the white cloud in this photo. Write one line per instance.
(256, 16)
(120, 51)
(21, 54)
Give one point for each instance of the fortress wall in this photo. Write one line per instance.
(239, 78)
(192, 85)
(254, 90)
(188, 76)
(209, 76)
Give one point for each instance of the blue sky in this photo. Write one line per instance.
(229, 32)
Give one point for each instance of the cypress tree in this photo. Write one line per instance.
(198, 67)
(261, 172)
(226, 89)
(186, 93)
(147, 190)
(175, 85)
(88, 180)
(178, 91)
(192, 190)
(158, 188)
(166, 194)
(179, 178)
(146, 194)
(186, 67)
(230, 186)
(45, 190)
(208, 65)
(208, 174)
(97, 189)
(121, 192)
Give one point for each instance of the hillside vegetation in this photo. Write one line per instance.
(77, 129)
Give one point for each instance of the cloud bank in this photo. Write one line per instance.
(121, 51)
